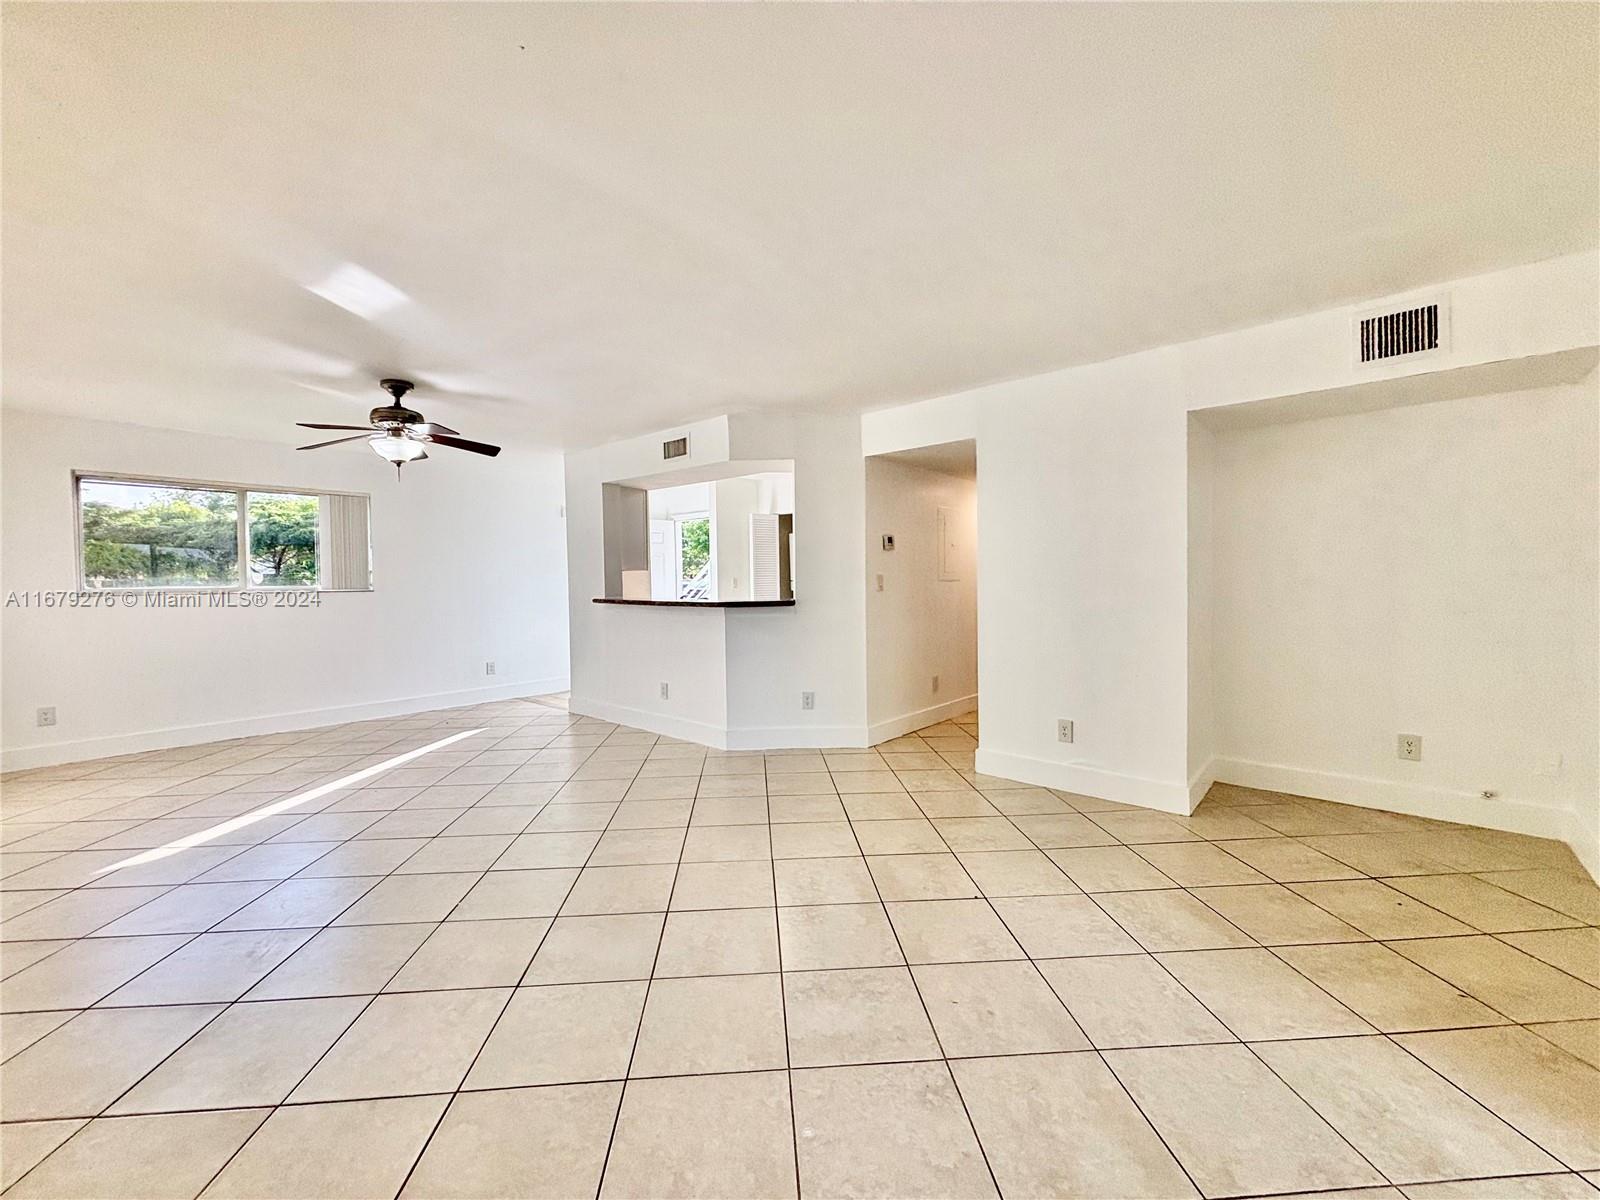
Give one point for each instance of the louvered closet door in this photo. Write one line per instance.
(764, 556)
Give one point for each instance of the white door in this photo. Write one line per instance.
(663, 569)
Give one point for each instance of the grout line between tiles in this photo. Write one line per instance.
(572, 759)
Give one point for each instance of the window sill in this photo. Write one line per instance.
(201, 589)
(696, 603)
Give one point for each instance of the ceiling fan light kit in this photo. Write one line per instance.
(399, 434)
(398, 448)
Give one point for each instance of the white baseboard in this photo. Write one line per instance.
(1439, 804)
(798, 737)
(1086, 781)
(1442, 804)
(703, 732)
(1200, 782)
(768, 737)
(893, 727)
(22, 758)
(1584, 839)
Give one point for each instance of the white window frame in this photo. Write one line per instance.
(242, 492)
(678, 520)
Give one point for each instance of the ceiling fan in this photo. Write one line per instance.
(398, 433)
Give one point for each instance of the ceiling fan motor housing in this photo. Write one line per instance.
(394, 416)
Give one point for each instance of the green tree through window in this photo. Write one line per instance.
(283, 540)
(139, 535)
(696, 538)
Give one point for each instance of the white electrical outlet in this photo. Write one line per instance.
(808, 700)
(664, 691)
(1063, 730)
(488, 666)
(47, 716)
(936, 683)
(1408, 746)
(880, 583)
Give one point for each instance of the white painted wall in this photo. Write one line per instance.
(1091, 545)
(1085, 538)
(735, 500)
(1427, 570)
(1202, 575)
(777, 491)
(684, 500)
(819, 645)
(1520, 312)
(468, 564)
(682, 647)
(1083, 581)
(621, 655)
(919, 625)
(734, 676)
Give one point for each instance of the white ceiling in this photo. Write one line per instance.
(947, 458)
(604, 219)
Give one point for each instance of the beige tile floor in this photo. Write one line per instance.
(562, 958)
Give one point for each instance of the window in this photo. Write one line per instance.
(283, 539)
(694, 558)
(720, 541)
(147, 533)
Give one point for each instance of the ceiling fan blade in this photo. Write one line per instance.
(428, 428)
(315, 425)
(336, 441)
(464, 444)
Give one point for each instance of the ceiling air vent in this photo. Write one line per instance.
(1402, 333)
(676, 448)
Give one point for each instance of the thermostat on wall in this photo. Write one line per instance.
(888, 541)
